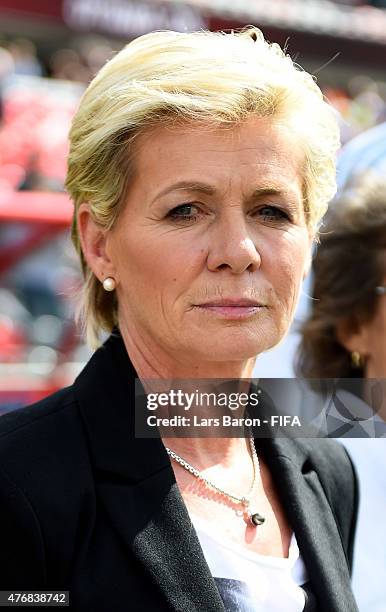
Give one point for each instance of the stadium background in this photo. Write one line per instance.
(49, 50)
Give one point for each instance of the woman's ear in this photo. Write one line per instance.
(93, 242)
(353, 335)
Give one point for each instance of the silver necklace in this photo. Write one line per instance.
(252, 516)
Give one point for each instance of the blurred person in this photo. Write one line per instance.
(95, 51)
(345, 338)
(365, 153)
(360, 107)
(200, 166)
(7, 68)
(25, 57)
(349, 277)
(67, 64)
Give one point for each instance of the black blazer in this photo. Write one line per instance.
(87, 507)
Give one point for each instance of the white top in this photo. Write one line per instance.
(250, 582)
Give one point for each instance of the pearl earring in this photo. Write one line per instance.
(109, 284)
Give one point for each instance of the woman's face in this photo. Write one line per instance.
(212, 245)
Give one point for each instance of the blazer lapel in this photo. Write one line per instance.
(155, 525)
(312, 519)
(136, 485)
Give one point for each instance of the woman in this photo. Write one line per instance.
(200, 165)
(345, 338)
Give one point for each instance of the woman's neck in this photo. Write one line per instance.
(204, 453)
(209, 450)
(151, 362)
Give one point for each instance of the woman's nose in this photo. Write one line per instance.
(233, 247)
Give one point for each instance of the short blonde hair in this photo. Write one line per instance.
(212, 77)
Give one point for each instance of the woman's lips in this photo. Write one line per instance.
(232, 309)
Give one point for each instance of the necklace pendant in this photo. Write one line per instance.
(257, 519)
(254, 518)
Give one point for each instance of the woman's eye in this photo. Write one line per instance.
(273, 213)
(184, 212)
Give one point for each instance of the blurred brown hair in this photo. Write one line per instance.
(349, 264)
